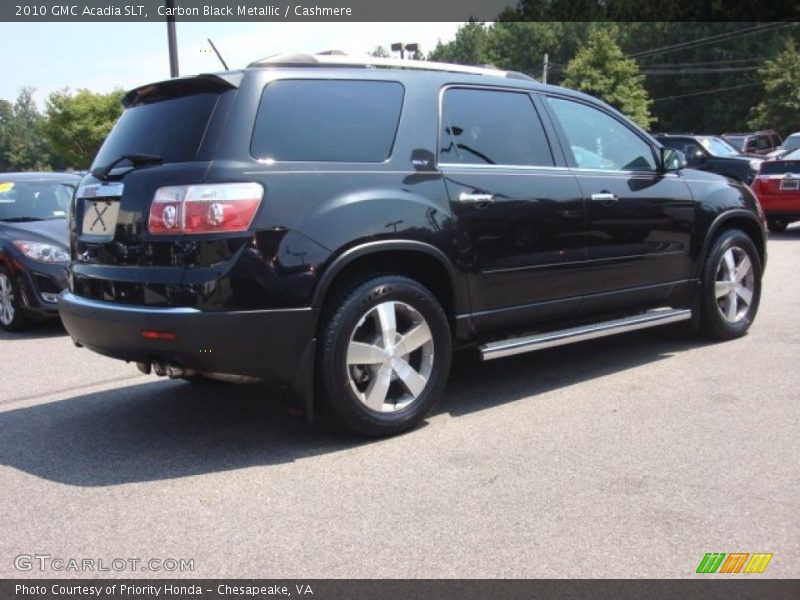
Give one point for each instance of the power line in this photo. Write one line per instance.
(724, 89)
(708, 63)
(698, 71)
(720, 37)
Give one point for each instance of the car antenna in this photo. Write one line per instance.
(219, 56)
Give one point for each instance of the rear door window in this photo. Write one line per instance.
(332, 120)
(492, 127)
(172, 128)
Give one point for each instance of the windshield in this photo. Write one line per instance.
(171, 129)
(718, 147)
(34, 199)
(737, 141)
(792, 142)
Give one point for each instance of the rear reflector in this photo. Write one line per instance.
(204, 208)
(158, 335)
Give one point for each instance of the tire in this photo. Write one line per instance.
(12, 317)
(390, 391)
(777, 225)
(730, 297)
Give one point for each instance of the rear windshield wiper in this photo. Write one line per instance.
(21, 219)
(136, 160)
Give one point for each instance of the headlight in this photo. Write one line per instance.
(755, 164)
(46, 253)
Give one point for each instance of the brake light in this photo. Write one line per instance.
(158, 335)
(204, 208)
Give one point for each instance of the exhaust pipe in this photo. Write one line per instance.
(172, 371)
(176, 372)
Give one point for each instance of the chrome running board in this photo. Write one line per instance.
(539, 341)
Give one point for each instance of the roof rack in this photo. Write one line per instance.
(366, 62)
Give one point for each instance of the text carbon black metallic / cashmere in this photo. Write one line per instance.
(308, 219)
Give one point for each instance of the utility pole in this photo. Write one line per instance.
(172, 42)
(545, 67)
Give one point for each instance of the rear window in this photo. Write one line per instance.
(171, 129)
(327, 120)
(788, 164)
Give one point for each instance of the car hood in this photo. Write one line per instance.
(742, 158)
(50, 230)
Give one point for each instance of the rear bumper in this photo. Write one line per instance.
(270, 344)
(775, 206)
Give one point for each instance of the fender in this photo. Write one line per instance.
(715, 226)
(355, 252)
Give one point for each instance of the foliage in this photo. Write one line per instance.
(78, 123)
(468, 47)
(780, 108)
(600, 69)
(22, 147)
(702, 76)
(380, 52)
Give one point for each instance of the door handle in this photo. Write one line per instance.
(606, 197)
(468, 198)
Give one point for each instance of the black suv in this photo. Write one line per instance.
(714, 154)
(340, 227)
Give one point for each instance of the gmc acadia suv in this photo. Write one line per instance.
(341, 226)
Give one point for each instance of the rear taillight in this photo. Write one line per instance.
(204, 208)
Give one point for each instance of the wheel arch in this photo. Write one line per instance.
(418, 260)
(735, 219)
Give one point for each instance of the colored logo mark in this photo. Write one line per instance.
(734, 562)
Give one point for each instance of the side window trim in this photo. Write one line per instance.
(564, 142)
(535, 111)
(554, 138)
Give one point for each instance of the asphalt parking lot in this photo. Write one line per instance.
(626, 457)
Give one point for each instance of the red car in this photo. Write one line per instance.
(777, 186)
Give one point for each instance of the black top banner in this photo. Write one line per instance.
(396, 10)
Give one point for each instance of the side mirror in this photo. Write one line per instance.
(699, 156)
(672, 160)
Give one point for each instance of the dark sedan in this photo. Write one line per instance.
(33, 245)
(713, 154)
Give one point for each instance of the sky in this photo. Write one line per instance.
(104, 56)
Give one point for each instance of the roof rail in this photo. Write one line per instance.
(339, 60)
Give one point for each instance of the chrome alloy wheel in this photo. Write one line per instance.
(390, 357)
(734, 284)
(6, 300)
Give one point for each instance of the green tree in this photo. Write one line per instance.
(780, 108)
(467, 48)
(6, 116)
(601, 69)
(77, 123)
(22, 146)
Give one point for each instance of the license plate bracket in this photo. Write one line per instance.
(100, 217)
